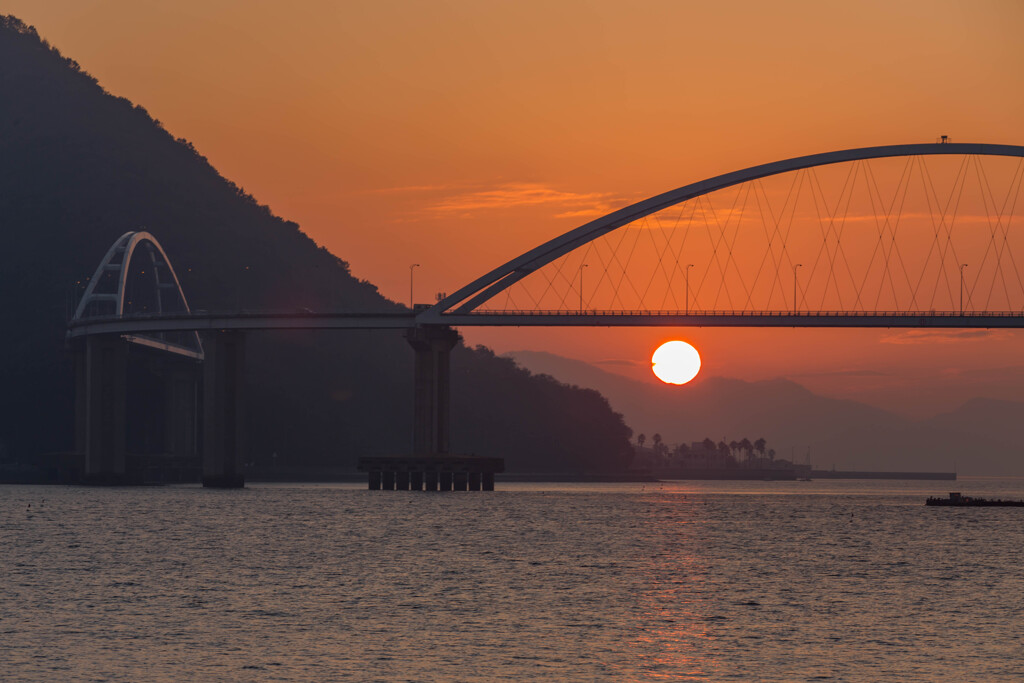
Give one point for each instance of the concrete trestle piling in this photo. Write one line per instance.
(223, 377)
(431, 473)
(433, 345)
(101, 374)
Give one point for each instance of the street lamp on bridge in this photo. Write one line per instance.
(688, 266)
(411, 270)
(582, 266)
(794, 287)
(962, 266)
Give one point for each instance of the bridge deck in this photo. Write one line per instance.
(597, 318)
(591, 318)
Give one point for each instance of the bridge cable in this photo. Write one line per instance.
(934, 246)
(838, 232)
(678, 253)
(941, 227)
(671, 274)
(659, 254)
(614, 257)
(624, 277)
(1013, 209)
(825, 234)
(1002, 246)
(949, 246)
(778, 255)
(984, 185)
(893, 227)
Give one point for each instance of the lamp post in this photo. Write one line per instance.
(688, 266)
(582, 266)
(962, 266)
(794, 286)
(412, 269)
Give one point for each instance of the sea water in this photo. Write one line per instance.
(703, 581)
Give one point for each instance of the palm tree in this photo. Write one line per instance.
(759, 445)
(749, 448)
(660, 449)
(723, 450)
(679, 454)
(640, 440)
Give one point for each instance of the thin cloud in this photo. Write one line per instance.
(625, 362)
(413, 189)
(585, 213)
(514, 195)
(842, 373)
(941, 336)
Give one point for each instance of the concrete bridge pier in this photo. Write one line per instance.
(101, 379)
(223, 376)
(433, 345)
(181, 403)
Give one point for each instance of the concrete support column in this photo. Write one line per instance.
(460, 481)
(402, 480)
(416, 480)
(430, 480)
(388, 480)
(474, 481)
(445, 480)
(76, 468)
(223, 375)
(433, 345)
(487, 481)
(101, 380)
(181, 399)
(375, 480)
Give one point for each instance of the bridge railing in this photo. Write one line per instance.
(745, 313)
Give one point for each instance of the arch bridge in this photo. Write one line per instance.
(900, 235)
(923, 235)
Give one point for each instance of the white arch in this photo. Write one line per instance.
(465, 300)
(117, 262)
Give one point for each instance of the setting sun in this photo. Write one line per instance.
(675, 362)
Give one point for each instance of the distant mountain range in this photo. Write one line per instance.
(982, 437)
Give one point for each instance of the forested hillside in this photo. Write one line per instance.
(79, 167)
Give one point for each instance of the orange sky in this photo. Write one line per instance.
(459, 134)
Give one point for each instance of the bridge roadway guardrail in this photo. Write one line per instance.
(206, 321)
(201, 321)
(732, 318)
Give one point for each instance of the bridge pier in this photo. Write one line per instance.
(433, 345)
(223, 375)
(101, 379)
(181, 399)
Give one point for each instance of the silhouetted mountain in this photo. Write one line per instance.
(982, 437)
(79, 167)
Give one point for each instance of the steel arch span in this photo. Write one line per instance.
(937, 254)
(136, 278)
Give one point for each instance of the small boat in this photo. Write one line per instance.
(957, 500)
